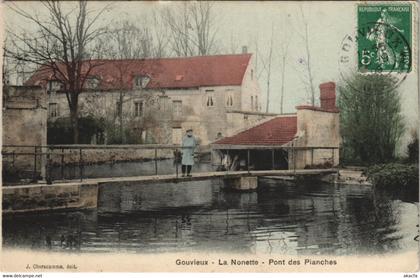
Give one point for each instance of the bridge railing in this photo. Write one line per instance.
(35, 163)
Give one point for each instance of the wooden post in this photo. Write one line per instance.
(247, 165)
(13, 159)
(35, 157)
(332, 155)
(62, 163)
(156, 166)
(294, 162)
(312, 156)
(48, 177)
(227, 159)
(272, 159)
(176, 162)
(80, 164)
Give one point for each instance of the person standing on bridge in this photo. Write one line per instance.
(189, 143)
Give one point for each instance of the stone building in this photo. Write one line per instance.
(24, 130)
(309, 138)
(214, 95)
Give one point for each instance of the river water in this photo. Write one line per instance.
(124, 169)
(279, 218)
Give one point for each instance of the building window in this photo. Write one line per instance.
(141, 81)
(138, 109)
(210, 101)
(92, 83)
(53, 110)
(252, 103)
(177, 107)
(257, 107)
(54, 85)
(229, 101)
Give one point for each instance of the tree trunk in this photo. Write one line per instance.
(120, 112)
(282, 83)
(74, 118)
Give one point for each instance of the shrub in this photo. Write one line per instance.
(60, 131)
(394, 174)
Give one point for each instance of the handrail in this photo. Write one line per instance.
(43, 155)
(174, 147)
(87, 146)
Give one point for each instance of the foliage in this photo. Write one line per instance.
(394, 174)
(130, 135)
(413, 149)
(60, 131)
(370, 118)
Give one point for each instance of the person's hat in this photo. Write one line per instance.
(190, 129)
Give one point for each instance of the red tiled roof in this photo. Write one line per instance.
(188, 72)
(277, 131)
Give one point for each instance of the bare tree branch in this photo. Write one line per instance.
(60, 46)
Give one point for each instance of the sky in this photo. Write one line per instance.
(251, 23)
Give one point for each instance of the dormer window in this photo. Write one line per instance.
(141, 81)
(92, 83)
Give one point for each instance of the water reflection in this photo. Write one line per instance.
(279, 218)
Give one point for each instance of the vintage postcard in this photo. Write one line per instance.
(210, 136)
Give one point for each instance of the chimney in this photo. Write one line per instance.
(244, 49)
(327, 95)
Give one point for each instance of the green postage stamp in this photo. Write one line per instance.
(384, 37)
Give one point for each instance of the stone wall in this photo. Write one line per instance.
(47, 197)
(251, 96)
(316, 128)
(92, 155)
(24, 123)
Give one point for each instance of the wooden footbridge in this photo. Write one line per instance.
(77, 194)
(210, 175)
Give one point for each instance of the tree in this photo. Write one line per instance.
(127, 44)
(267, 66)
(370, 118)
(283, 54)
(192, 27)
(306, 62)
(60, 45)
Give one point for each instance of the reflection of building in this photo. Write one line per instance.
(214, 95)
(24, 124)
(312, 127)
